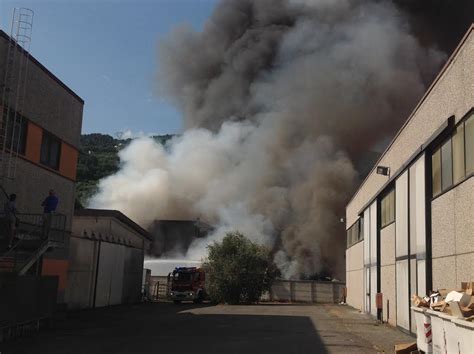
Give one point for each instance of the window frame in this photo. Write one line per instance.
(387, 214)
(466, 175)
(19, 146)
(51, 138)
(354, 236)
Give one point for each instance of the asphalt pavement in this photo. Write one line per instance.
(188, 328)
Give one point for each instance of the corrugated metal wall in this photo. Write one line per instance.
(103, 274)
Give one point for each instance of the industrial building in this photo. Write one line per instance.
(40, 129)
(175, 236)
(106, 254)
(410, 225)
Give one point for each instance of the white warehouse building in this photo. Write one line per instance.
(410, 225)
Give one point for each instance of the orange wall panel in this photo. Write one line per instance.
(33, 142)
(58, 267)
(68, 163)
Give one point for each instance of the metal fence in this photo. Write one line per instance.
(159, 288)
(34, 226)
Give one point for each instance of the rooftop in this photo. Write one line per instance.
(113, 214)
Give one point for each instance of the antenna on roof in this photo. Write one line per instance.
(12, 103)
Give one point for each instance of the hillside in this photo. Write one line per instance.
(98, 158)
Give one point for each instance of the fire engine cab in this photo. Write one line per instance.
(187, 284)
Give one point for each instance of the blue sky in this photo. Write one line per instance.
(106, 52)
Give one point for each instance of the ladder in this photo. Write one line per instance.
(13, 90)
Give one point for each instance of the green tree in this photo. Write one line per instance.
(238, 270)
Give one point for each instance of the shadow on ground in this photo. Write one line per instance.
(168, 328)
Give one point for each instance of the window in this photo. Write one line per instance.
(388, 208)
(458, 154)
(355, 233)
(469, 134)
(436, 172)
(16, 132)
(50, 151)
(446, 165)
(454, 160)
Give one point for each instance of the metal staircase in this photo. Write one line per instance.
(33, 239)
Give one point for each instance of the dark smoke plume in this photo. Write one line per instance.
(280, 99)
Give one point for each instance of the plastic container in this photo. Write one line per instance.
(437, 332)
(465, 334)
(423, 329)
(451, 337)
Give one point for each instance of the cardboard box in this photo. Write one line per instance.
(455, 309)
(444, 292)
(419, 302)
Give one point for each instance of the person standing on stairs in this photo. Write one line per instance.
(50, 203)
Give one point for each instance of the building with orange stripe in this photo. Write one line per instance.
(48, 121)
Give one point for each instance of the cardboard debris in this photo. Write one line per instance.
(467, 312)
(455, 296)
(455, 309)
(419, 301)
(459, 303)
(405, 348)
(443, 292)
(439, 306)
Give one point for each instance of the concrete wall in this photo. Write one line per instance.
(48, 102)
(387, 272)
(451, 94)
(32, 184)
(355, 275)
(26, 298)
(452, 232)
(306, 291)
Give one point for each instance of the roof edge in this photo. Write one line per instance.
(430, 88)
(114, 214)
(44, 69)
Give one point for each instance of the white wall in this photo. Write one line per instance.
(355, 275)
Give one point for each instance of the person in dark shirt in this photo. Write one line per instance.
(50, 203)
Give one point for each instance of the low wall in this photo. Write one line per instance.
(26, 298)
(306, 291)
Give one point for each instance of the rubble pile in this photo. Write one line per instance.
(458, 303)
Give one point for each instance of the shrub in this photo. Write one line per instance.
(238, 270)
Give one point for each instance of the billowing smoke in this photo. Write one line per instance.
(281, 100)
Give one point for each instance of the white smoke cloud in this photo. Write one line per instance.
(280, 99)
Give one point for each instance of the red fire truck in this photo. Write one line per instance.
(187, 284)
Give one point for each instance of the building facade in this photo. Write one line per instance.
(410, 225)
(106, 254)
(40, 134)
